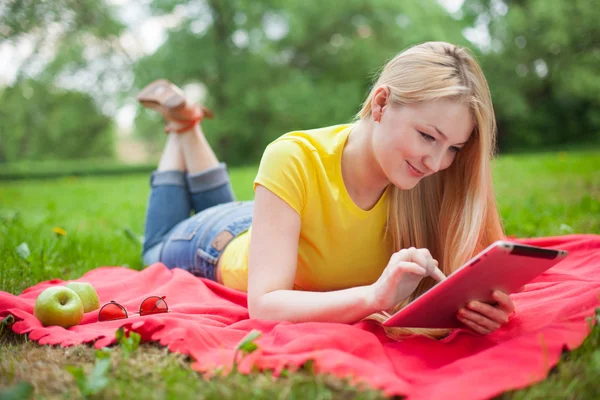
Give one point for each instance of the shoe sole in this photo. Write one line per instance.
(161, 95)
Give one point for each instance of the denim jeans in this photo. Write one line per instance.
(193, 243)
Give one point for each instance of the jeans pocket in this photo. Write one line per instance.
(240, 225)
(215, 246)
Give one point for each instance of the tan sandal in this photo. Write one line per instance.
(166, 98)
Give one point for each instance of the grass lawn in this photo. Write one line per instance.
(539, 195)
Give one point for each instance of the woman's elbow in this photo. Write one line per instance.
(265, 307)
(256, 308)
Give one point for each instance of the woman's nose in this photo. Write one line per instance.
(433, 162)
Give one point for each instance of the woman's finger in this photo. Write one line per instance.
(423, 257)
(409, 266)
(488, 311)
(475, 327)
(479, 319)
(504, 301)
(437, 274)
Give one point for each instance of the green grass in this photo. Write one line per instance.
(539, 195)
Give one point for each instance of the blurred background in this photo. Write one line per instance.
(70, 69)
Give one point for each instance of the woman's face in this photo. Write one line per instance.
(416, 140)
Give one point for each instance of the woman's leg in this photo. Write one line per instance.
(171, 158)
(189, 176)
(169, 202)
(195, 243)
(197, 154)
(207, 178)
(208, 186)
(176, 192)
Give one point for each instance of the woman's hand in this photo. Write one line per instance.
(401, 276)
(484, 318)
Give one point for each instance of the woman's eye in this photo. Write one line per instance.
(427, 137)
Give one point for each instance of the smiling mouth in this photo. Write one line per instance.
(416, 170)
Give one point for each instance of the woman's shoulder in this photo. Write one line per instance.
(320, 140)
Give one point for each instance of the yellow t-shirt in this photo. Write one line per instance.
(340, 244)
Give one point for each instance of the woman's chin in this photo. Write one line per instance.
(405, 184)
(403, 180)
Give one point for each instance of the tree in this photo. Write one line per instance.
(52, 110)
(272, 66)
(38, 122)
(542, 69)
(69, 39)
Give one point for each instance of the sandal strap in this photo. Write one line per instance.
(189, 123)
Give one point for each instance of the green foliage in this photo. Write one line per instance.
(541, 67)
(543, 70)
(316, 72)
(6, 322)
(98, 378)
(128, 341)
(21, 17)
(246, 346)
(272, 66)
(74, 44)
(19, 391)
(38, 122)
(66, 43)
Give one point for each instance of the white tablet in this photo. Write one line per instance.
(503, 266)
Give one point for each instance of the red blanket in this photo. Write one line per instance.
(208, 321)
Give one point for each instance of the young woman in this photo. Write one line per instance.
(349, 220)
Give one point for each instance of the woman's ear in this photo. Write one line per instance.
(379, 102)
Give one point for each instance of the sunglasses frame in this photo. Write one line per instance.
(112, 302)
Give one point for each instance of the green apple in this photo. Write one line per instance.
(87, 294)
(58, 305)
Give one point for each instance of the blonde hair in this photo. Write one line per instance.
(452, 213)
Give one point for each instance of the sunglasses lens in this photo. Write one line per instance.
(111, 311)
(153, 305)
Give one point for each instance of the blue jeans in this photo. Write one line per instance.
(193, 243)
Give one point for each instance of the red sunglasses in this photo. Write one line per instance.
(151, 305)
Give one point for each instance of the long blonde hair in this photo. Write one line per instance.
(452, 213)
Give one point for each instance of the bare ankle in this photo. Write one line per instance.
(193, 131)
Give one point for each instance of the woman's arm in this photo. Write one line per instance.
(344, 306)
(272, 270)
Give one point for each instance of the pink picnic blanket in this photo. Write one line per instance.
(208, 320)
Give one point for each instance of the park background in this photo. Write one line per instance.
(76, 150)
(70, 70)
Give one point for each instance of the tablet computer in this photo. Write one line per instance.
(504, 266)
